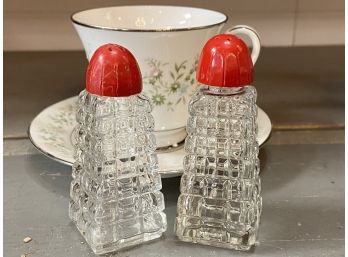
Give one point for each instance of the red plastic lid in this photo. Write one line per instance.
(113, 71)
(225, 61)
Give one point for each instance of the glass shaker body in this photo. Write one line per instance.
(115, 193)
(220, 203)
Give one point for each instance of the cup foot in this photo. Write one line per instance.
(171, 137)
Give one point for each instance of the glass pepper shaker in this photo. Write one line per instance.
(116, 200)
(220, 202)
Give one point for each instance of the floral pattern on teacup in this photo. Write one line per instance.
(52, 133)
(177, 89)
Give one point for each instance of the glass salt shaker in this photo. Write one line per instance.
(220, 202)
(116, 200)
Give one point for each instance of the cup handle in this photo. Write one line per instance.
(252, 34)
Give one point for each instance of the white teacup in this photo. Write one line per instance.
(166, 41)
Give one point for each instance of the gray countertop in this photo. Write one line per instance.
(302, 171)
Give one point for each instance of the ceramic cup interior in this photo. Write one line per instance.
(149, 18)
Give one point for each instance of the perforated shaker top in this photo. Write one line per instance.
(225, 61)
(113, 71)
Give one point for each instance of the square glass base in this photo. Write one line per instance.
(123, 243)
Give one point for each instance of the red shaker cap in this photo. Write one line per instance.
(225, 61)
(113, 71)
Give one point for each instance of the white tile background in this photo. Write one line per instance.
(45, 24)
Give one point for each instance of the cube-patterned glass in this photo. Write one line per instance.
(116, 200)
(220, 202)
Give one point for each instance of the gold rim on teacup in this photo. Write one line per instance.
(224, 20)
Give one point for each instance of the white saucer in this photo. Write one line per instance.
(51, 130)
